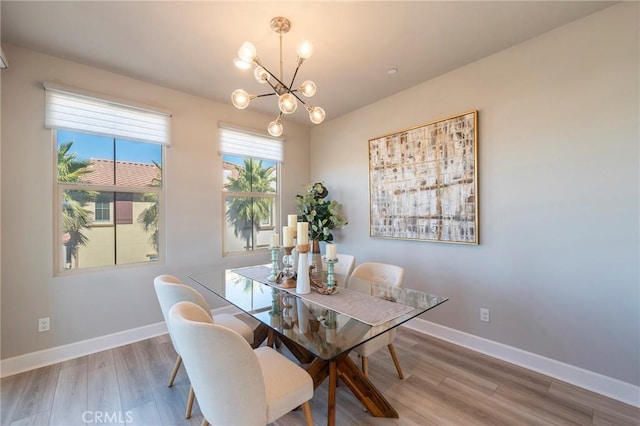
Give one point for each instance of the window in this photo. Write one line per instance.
(102, 211)
(109, 186)
(109, 193)
(250, 165)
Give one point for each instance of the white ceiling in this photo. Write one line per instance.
(190, 46)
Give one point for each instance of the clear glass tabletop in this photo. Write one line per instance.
(325, 333)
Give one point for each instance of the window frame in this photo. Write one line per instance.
(274, 196)
(58, 191)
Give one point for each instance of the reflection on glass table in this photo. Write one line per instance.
(318, 333)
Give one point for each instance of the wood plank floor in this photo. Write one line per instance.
(444, 385)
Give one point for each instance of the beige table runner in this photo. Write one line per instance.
(365, 308)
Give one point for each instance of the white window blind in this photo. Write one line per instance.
(245, 144)
(79, 112)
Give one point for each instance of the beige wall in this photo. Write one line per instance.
(1, 174)
(91, 304)
(558, 259)
(557, 263)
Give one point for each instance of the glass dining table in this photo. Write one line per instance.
(320, 330)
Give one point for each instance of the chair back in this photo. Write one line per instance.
(345, 265)
(223, 369)
(170, 290)
(383, 273)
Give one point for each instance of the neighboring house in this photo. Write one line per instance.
(117, 215)
(229, 170)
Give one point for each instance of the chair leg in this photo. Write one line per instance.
(204, 422)
(192, 396)
(175, 371)
(365, 366)
(306, 407)
(392, 351)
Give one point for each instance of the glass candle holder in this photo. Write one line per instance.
(331, 279)
(274, 264)
(287, 264)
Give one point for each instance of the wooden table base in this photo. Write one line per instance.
(352, 377)
(344, 368)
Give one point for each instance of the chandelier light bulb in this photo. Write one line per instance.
(240, 64)
(287, 103)
(305, 49)
(240, 99)
(308, 88)
(275, 127)
(247, 52)
(261, 75)
(316, 115)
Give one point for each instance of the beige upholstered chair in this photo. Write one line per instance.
(170, 290)
(362, 276)
(236, 385)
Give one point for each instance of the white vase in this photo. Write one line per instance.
(303, 316)
(315, 260)
(303, 286)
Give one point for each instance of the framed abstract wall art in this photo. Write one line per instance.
(423, 182)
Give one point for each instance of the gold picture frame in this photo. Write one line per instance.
(423, 182)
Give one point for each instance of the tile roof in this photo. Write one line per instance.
(229, 170)
(127, 173)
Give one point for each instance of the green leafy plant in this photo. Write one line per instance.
(76, 219)
(246, 213)
(148, 218)
(322, 214)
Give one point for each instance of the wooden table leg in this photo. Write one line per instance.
(331, 399)
(259, 335)
(301, 354)
(318, 370)
(270, 338)
(363, 389)
(344, 368)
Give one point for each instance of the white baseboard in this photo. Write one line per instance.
(30, 361)
(26, 362)
(595, 382)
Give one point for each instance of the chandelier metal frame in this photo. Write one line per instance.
(288, 96)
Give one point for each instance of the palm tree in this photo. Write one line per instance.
(246, 213)
(75, 218)
(148, 218)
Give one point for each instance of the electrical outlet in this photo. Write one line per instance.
(484, 314)
(43, 324)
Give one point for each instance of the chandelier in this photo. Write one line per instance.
(287, 94)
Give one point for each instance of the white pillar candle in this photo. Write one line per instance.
(303, 233)
(332, 250)
(292, 220)
(275, 240)
(287, 236)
